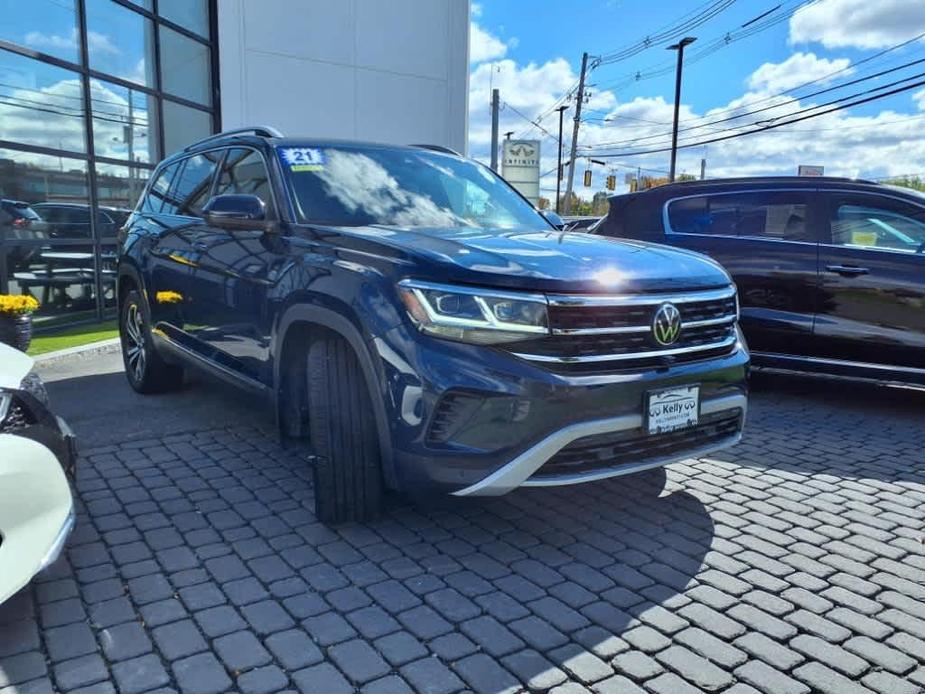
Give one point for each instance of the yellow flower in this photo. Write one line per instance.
(168, 297)
(17, 305)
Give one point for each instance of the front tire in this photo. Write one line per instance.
(144, 368)
(347, 471)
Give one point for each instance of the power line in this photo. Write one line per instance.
(771, 126)
(785, 103)
(710, 11)
(700, 15)
(711, 47)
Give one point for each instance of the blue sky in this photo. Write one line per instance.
(532, 53)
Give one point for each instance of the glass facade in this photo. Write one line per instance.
(93, 93)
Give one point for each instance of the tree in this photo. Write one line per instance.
(913, 182)
(543, 203)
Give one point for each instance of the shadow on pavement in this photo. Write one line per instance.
(103, 409)
(551, 585)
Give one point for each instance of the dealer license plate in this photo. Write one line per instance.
(672, 409)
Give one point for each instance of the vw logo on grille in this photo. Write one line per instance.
(666, 325)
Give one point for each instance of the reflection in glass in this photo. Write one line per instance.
(124, 122)
(184, 67)
(40, 104)
(189, 14)
(117, 191)
(183, 126)
(48, 26)
(58, 271)
(120, 42)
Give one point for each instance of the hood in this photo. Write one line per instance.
(14, 366)
(549, 260)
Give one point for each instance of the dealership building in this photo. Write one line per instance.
(93, 93)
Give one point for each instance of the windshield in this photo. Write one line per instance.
(346, 186)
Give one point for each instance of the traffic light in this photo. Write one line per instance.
(588, 178)
(611, 182)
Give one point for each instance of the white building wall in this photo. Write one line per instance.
(392, 71)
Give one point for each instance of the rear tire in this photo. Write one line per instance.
(144, 368)
(347, 470)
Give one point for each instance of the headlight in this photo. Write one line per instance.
(33, 385)
(5, 401)
(474, 315)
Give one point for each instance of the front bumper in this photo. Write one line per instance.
(31, 418)
(36, 511)
(471, 420)
(521, 470)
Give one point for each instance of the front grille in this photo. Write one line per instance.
(595, 333)
(610, 451)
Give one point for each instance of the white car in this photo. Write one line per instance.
(36, 450)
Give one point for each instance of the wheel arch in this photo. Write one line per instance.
(129, 278)
(298, 322)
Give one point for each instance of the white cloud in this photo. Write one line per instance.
(858, 23)
(919, 99)
(797, 69)
(97, 42)
(484, 46)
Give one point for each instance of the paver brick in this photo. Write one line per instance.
(827, 681)
(769, 680)
(359, 661)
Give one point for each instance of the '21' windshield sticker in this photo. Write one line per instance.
(303, 158)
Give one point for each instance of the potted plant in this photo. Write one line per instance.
(16, 320)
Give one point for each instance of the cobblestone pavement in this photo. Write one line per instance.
(792, 563)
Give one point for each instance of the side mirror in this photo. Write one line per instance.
(553, 219)
(235, 212)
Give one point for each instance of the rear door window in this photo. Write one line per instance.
(781, 216)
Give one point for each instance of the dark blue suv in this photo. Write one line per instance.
(415, 319)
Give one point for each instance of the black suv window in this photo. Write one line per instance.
(244, 172)
(355, 186)
(771, 215)
(866, 221)
(156, 200)
(192, 186)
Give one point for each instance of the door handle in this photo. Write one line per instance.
(847, 270)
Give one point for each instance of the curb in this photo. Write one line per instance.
(101, 347)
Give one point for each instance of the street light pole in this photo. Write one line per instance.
(679, 47)
(562, 108)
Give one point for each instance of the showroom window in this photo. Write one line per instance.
(93, 94)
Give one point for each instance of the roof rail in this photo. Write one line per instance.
(439, 148)
(260, 130)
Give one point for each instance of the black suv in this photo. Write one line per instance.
(831, 272)
(420, 323)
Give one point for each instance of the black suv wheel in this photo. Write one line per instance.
(146, 371)
(347, 470)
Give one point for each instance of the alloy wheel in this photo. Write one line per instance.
(135, 345)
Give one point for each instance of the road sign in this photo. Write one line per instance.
(520, 165)
(807, 170)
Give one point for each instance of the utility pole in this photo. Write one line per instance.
(562, 108)
(571, 159)
(679, 47)
(494, 129)
(703, 168)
